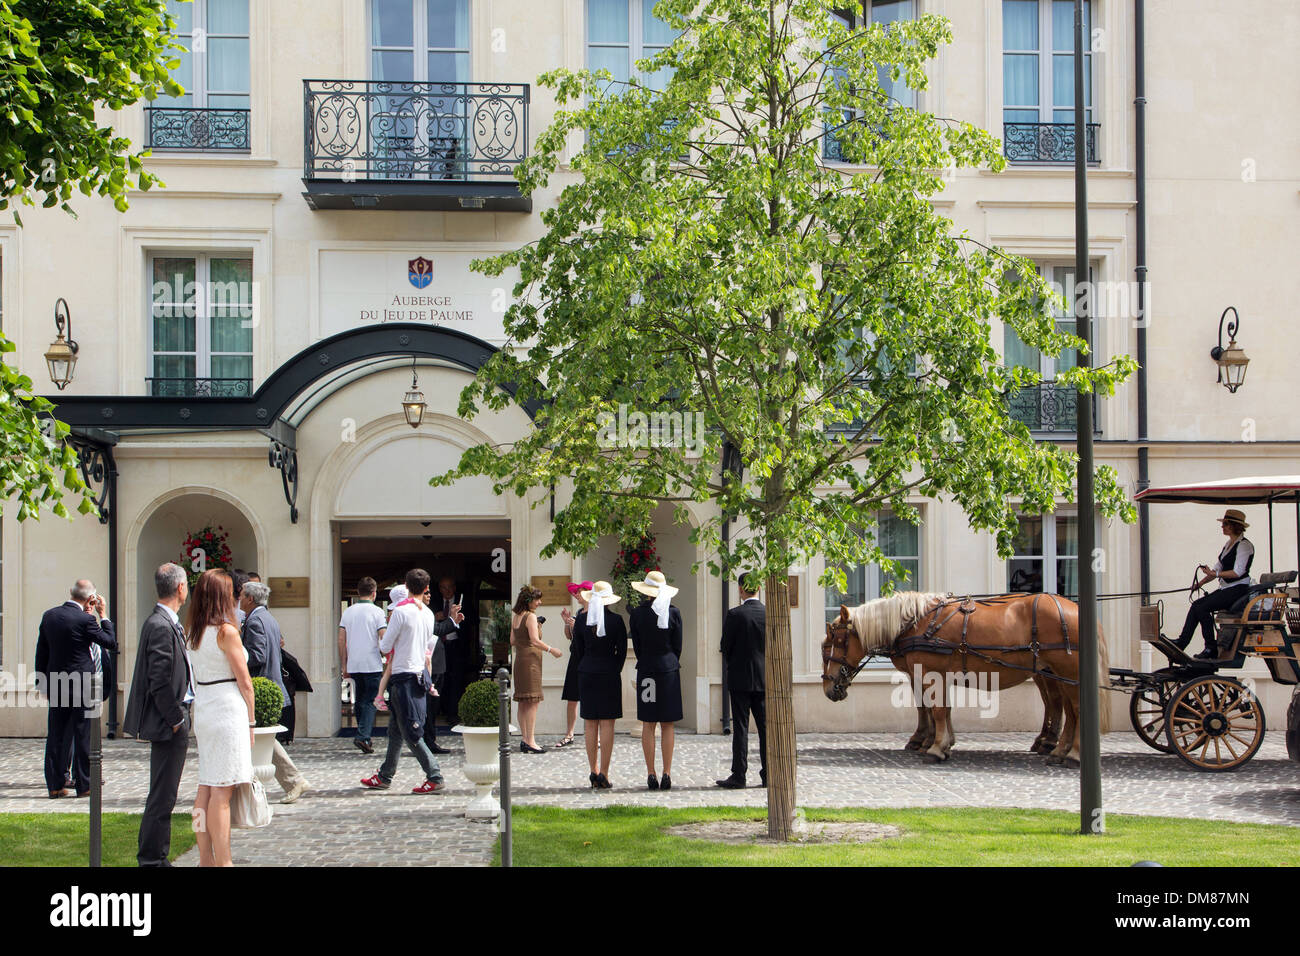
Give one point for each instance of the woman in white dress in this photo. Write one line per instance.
(223, 711)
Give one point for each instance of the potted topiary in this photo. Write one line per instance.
(268, 703)
(479, 727)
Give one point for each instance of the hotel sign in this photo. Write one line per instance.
(361, 288)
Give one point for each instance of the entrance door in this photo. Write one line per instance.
(473, 559)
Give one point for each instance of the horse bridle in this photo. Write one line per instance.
(840, 683)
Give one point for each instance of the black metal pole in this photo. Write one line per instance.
(110, 657)
(503, 691)
(726, 600)
(1140, 272)
(1090, 809)
(96, 768)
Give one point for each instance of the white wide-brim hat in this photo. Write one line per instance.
(654, 583)
(602, 592)
(398, 593)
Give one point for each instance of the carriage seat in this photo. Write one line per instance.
(1262, 606)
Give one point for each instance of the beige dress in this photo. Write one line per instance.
(528, 664)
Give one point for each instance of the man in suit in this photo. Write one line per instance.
(461, 643)
(262, 640)
(158, 710)
(743, 640)
(69, 648)
(444, 627)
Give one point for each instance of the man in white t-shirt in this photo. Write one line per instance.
(360, 630)
(411, 637)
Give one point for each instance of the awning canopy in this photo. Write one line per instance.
(1229, 491)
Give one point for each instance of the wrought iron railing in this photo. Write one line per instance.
(359, 130)
(183, 127)
(1049, 408)
(1046, 142)
(200, 387)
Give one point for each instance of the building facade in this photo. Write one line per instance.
(337, 164)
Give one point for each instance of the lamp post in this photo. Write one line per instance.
(413, 404)
(1091, 815)
(61, 357)
(1232, 361)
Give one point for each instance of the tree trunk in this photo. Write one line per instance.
(779, 678)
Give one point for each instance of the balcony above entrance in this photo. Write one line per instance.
(407, 145)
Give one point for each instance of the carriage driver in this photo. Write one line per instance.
(1232, 570)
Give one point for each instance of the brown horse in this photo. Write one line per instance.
(1004, 641)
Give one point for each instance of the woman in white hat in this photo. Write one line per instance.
(656, 628)
(600, 640)
(1232, 570)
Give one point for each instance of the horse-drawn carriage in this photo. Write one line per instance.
(1213, 720)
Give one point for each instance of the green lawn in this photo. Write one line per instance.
(633, 836)
(63, 839)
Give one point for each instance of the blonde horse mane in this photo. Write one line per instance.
(878, 622)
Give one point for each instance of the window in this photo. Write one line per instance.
(1046, 556)
(1047, 406)
(438, 30)
(900, 541)
(201, 328)
(214, 69)
(420, 128)
(861, 15)
(620, 32)
(1038, 81)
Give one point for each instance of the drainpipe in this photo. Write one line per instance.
(1140, 270)
(110, 677)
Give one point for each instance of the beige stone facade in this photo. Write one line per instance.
(1223, 189)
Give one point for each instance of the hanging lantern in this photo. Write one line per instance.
(1232, 361)
(413, 404)
(61, 357)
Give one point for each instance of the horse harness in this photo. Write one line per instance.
(928, 642)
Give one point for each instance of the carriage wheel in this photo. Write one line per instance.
(1146, 710)
(1214, 723)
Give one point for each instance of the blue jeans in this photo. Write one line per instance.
(406, 701)
(364, 688)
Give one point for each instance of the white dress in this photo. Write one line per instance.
(220, 717)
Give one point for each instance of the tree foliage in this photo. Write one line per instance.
(823, 318)
(60, 60)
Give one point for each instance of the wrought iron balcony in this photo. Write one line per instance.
(208, 130)
(1046, 142)
(1049, 408)
(200, 387)
(406, 145)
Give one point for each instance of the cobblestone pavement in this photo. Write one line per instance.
(337, 823)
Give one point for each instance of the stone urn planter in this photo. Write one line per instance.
(480, 728)
(483, 767)
(263, 747)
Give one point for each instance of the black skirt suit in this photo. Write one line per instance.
(570, 689)
(600, 666)
(658, 664)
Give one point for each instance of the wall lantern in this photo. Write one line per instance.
(1232, 361)
(62, 354)
(413, 404)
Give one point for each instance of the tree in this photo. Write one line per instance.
(824, 320)
(59, 61)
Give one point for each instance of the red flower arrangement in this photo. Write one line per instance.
(215, 551)
(635, 558)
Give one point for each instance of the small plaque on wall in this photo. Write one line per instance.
(555, 592)
(289, 592)
(792, 588)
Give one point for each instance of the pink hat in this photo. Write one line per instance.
(575, 588)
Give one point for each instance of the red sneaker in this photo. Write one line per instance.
(430, 786)
(375, 782)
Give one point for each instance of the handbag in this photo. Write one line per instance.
(249, 808)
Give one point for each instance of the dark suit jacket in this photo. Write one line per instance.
(463, 646)
(438, 660)
(63, 642)
(657, 650)
(744, 633)
(261, 637)
(162, 676)
(600, 655)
